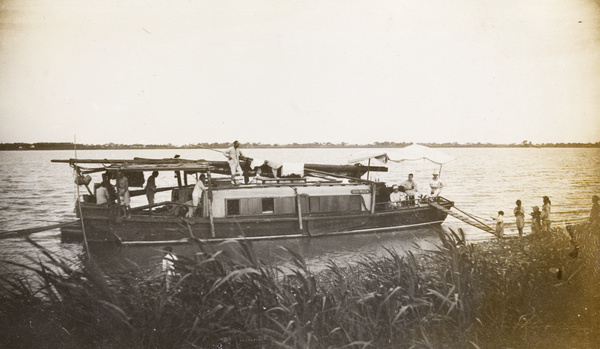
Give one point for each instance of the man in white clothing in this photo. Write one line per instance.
(234, 154)
(436, 186)
(396, 197)
(199, 188)
(168, 266)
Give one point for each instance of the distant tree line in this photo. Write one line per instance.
(217, 145)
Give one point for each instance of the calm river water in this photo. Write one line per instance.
(36, 192)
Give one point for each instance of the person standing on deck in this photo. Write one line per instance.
(436, 186)
(124, 197)
(520, 216)
(595, 213)
(151, 188)
(546, 208)
(411, 189)
(234, 154)
(199, 189)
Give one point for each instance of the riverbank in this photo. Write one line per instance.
(535, 292)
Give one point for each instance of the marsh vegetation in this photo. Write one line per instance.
(535, 291)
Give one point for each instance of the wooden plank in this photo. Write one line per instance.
(23, 232)
(475, 223)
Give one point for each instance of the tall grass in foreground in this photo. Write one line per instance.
(457, 296)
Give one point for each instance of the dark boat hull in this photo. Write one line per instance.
(102, 225)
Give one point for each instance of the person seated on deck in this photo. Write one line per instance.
(396, 197)
(112, 193)
(436, 186)
(102, 196)
(411, 189)
(196, 202)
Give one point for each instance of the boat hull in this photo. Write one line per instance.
(102, 225)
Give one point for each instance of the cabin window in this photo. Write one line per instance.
(285, 205)
(233, 207)
(335, 203)
(258, 206)
(315, 203)
(268, 205)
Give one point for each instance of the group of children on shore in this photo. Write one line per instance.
(540, 220)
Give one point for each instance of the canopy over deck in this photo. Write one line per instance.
(410, 153)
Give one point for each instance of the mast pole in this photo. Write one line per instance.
(210, 202)
(78, 202)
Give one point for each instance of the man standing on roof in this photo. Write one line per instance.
(234, 154)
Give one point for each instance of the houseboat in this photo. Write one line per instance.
(272, 201)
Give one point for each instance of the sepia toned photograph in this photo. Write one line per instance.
(299, 174)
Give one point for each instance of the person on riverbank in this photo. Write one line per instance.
(168, 267)
(595, 212)
(151, 188)
(536, 216)
(499, 224)
(124, 196)
(520, 217)
(546, 208)
(234, 154)
(436, 186)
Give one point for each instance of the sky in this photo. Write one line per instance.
(278, 72)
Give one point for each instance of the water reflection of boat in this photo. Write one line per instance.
(290, 201)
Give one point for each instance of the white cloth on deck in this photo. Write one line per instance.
(292, 168)
(257, 163)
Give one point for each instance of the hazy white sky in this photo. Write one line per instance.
(273, 71)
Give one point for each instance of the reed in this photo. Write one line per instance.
(459, 295)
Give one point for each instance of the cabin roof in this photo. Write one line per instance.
(221, 167)
(189, 167)
(143, 164)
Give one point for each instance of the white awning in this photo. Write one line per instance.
(412, 152)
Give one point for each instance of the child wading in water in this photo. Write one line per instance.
(499, 224)
(536, 223)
